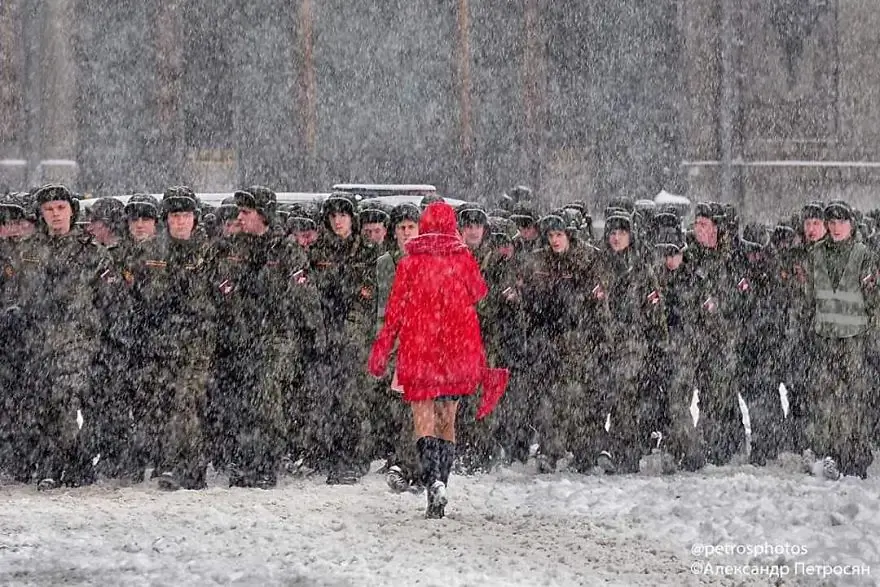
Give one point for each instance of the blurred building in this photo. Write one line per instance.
(762, 102)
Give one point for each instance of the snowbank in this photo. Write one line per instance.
(508, 528)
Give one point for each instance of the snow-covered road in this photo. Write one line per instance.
(507, 528)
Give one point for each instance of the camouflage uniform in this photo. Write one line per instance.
(676, 367)
(10, 363)
(794, 351)
(56, 280)
(112, 386)
(567, 323)
(713, 349)
(759, 314)
(263, 320)
(344, 272)
(637, 316)
(843, 301)
(476, 441)
(171, 318)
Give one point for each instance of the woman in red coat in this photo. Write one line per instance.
(440, 356)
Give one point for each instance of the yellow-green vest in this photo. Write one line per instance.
(841, 312)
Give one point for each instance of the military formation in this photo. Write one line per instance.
(162, 334)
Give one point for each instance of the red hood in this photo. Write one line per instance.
(438, 218)
(438, 232)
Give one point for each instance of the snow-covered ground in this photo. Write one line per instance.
(507, 528)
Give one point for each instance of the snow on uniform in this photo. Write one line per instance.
(172, 315)
(796, 351)
(111, 381)
(711, 277)
(476, 441)
(57, 279)
(843, 296)
(568, 325)
(636, 315)
(344, 272)
(759, 330)
(683, 438)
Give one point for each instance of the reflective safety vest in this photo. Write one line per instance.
(840, 313)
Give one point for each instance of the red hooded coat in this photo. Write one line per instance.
(432, 311)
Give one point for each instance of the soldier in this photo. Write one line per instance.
(10, 368)
(566, 319)
(263, 319)
(106, 222)
(793, 275)
(710, 271)
(477, 441)
(57, 275)
(343, 265)
(113, 393)
(303, 231)
(393, 429)
(842, 297)
(374, 227)
(528, 238)
(227, 216)
(757, 309)
(170, 281)
(16, 225)
(142, 212)
(637, 317)
(677, 356)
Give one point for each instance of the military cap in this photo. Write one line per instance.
(469, 214)
(403, 212)
(755, 237)
(142, 206)
(838, 210)
(814, 209)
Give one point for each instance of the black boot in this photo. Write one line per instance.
(429, 457)
(447, 457)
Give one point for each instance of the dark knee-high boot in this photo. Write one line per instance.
(447, 456)
(429, 456)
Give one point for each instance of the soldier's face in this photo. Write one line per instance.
(22, 229)
(301, 238)
(814, 230)
(181, 225)
(100, 231)
(706, 232)
(251, 222)
(375, 232)
(142, 229)
(673, 262)
(528, 233)
(340, 222)
(57, 215)
(231, 227)
(618, 240)
(405, 231)
(5, 230)
(840, 230)
(558, 241)
(473, 234)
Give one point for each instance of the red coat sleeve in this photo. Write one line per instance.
(474, 282)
